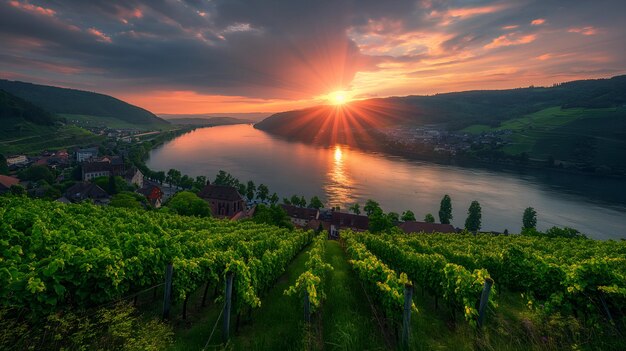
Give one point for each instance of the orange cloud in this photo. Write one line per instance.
(511, 39)
(510, 27)
(33, 8)
(538, 21)
(544, 57)
(473, 11)
(452, 15)
(189, 102)
(100, 36)
(589, 30)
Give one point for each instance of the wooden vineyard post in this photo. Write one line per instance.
(406, 315)
(307, 307)
(227, 306)
(484, 301)
(206, 290)
(167, 292)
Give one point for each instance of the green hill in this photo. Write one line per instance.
(26, 128)
(12, 107)
(77, 102)
(579, 122)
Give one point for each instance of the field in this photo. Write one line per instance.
(31, 138)
(573, 135)
(61, 260)
(112, 122)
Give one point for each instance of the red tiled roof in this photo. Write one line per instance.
(220, 192)
(89, 167)
(300, 212)
(423, 227)
(7, 181)
(349, 220)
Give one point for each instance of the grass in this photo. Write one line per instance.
(112, 122)
(348, 322)
(574, 135)
(32, 138)
(279, 323)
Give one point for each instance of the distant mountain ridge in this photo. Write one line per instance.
(209, 121)
(78, 102)
(456, 110)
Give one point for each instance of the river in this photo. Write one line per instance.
(341, 176)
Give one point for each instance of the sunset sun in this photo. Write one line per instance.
(338, 98)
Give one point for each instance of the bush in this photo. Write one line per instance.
(187, 203)
(113, 328)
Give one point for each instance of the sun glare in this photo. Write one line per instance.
(338, 98)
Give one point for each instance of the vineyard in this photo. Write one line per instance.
(581, 278)
(63, 268)
(58, 257)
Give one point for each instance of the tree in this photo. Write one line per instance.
(302, 202)
(529, 220)
(200, 182)
(379, 222)
(250, 190)
(262, 192)
(173, 177)
(274, 199)
(273, 215)
(108, 184)
(186, 182)
(241, 188)
(429, 218)
(316, 203)
(187, 203)
(36, 173)
(111, 186)
(17, 190)
(159, 177)
(445, 210)
(474, 215)
(355, 208)
(393, 217)
(4, 168)
(371, 207)
(295, 200)
(127, 200)
(227, 179)
(407, 215)
(286, 201)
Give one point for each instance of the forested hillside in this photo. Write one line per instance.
(78, 102)
(13, 107)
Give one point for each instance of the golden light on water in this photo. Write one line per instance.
(340, 185)
(338, 154)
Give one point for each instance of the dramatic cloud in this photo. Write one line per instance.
(538, 21)
(232, 55)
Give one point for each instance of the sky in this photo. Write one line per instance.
(203, 56)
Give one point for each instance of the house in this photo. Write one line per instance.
(153, 193)
(423, 227)
(225, 201)
(16, 160)
(93, 170)
(85, 154)
(82, 191)
(301, 216)
(134, 177)
(342, 221)
(6, 183)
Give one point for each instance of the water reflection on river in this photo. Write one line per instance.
(341, 176)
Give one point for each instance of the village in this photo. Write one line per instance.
(84, 174)
(441, 141)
